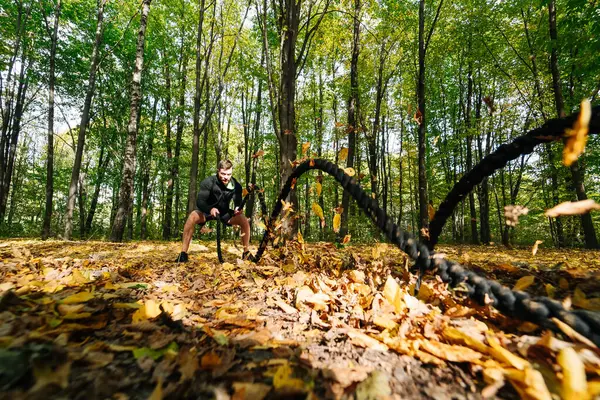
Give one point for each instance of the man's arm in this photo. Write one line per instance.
(237, 196)
(203, 195)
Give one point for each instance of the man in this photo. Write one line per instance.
(214, 196)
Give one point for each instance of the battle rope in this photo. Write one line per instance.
(539, 310)
(252, 189)
(551, 131)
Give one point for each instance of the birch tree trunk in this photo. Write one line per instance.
(126, 190)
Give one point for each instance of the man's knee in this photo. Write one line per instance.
(196, 217)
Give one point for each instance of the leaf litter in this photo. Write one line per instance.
(101, 320)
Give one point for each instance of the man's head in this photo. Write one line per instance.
(224, 171)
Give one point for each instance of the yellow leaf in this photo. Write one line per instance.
(535, 247)
(80, 297)
(305, 147)
(318, 211)
(343, 154)
(300, 238)
(337, 222)
(577, 137)
(319, 188)
(350, 171)
(157, 393)
(504, 355)
(524, 282)
(430, 211)
(447, 352)
(151, 309)
(283, 379)
(78, 277)
(574, 382)
(550, 290)
(346, 239)
(579, 298)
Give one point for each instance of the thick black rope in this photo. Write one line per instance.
(517, 304)
(551, 131)
(252, 190)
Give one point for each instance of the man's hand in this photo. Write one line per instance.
(237, 211)
(214, 212)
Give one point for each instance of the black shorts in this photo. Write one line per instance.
(224, 216)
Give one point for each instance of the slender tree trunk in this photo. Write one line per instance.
(146, 174)
(102, 165)
(197, 97)
(85, 117)
(50, 150)
(168, 215)
(576, 172)
(14, 136)
(126, 190)
(469, 151)
(422, 146)
(353, 111)
(179, 134)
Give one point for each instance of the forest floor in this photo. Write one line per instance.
(99, 320)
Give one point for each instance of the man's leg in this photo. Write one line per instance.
(242, 222)
(196, 217)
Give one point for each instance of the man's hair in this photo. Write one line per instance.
(224, 164)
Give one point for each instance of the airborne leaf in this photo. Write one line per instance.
(577, 137)
(572, 208)
(337, 222)
(305, 147)
(350, 171)
(343, 154)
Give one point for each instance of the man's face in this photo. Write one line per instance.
(225, 175)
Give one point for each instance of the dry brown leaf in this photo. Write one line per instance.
(346, 239)
(512, 214)
(250, 391)
(576, 138)
(572, 208)
(534, 249)
(358, 338)
(305, 147)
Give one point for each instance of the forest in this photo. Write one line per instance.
(424, 177)
(120, 109)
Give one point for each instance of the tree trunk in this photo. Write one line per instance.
(423, 201)
(11, 151)
(102, 165)
(85, 117)
(197, 97)
(179, 134)
(469, 151)
(146, 173)
(126, 190)
(50, 150)
(576, 172)
(353, 111)
(168, 215)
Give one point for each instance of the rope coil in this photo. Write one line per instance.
(539, 310)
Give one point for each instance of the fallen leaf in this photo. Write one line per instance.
(250, 391)
(524, 282)
(157, 392)
(574, 382)
(360, 339)
(80, 297)
(376, 386)
(284, 380)
(450, 352)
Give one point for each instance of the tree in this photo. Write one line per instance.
(126, 190)
(85, 118)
